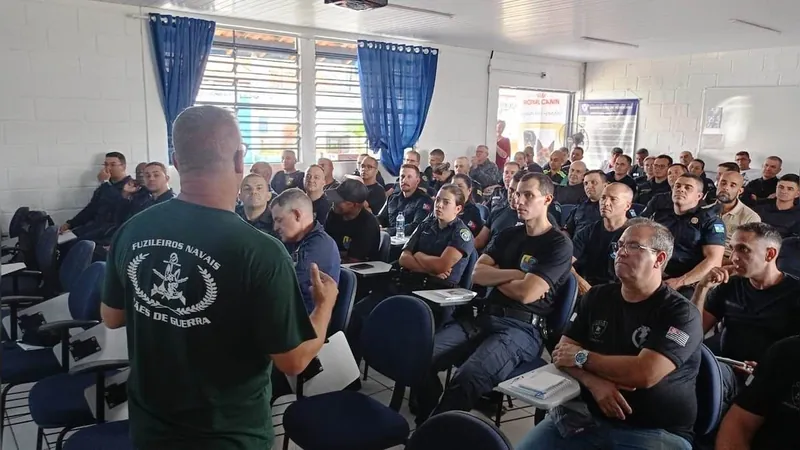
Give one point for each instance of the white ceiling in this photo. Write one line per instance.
(537, 27)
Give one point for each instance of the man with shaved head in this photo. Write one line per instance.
(327, 167)
(264, 169)
(573, 193)
(595, 246)
(376, 196)
(209, 303)
(731, 210)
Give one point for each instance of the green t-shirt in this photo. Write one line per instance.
(207, 299)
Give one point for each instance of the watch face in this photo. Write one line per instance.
(581, 357)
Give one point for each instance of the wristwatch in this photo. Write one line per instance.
(581, 358)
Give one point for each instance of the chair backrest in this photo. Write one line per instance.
(77, 260)
(566, 210)
(789, 256)
(344, 302)
(708, 389)
(46, 259)
(397, 339)
(483, 210)
(84, 299)
(637, 208)
(466, 278)
(385, 247)
(565, 299)
(457, 430)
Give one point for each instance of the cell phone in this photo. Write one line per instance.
(362, 266)
(732, 362)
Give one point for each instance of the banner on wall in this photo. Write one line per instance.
(607, 124)
(534, 118)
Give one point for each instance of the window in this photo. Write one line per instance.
(256, 75)
(339, 130)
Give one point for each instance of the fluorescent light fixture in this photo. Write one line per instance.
(608, 41)
(419, 10)
(753, 24)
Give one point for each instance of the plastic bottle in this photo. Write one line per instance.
(400, 226)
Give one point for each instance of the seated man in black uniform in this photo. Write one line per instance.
(289, 177)
(766, 414)
(782, 212)
(376, 195)
(663, 200)
(595, 246)
(524, 267)
(499, 196)
(99, 216)
(314, 185)
(763, 188)
(757, 303)
(699, 235)
(698, 167)
(634, 347)
(408, 198)
(658, 183)
(351, 225)
(620, 173)
(255, 197)
(573, 193)
(588, 211)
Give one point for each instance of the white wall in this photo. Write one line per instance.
(78, 81)
(671, 89)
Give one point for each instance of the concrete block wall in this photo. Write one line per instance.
(671, 89)
(71, 89)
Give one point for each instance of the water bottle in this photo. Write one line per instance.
(400, 226)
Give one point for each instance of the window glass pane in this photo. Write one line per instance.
(339, 128)
(257, 76)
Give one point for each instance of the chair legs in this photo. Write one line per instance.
(3, 397)
(60, 439)
(366, 371)
(39, 438)
(499, 412)
(285, 440)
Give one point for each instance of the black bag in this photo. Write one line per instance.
(28, 226)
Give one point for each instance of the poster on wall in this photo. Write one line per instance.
(606, 124)
(534, 119)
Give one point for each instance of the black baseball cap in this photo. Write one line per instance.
(348, 191)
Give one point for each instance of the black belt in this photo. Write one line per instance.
(522, 316)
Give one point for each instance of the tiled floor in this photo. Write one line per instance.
(22, 437)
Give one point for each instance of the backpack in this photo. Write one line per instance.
(28, 226)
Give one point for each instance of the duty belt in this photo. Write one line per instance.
(522, 316)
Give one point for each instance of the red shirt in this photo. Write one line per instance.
(505, 144)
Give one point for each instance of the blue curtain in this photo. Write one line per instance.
(396, 89)
(181, 47)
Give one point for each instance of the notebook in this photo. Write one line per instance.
(541, 385)
(450, 295)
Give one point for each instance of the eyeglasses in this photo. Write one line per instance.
(631, 247)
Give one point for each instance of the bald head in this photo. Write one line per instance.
(615, 201)
(206, 140)
(577, 170)
(729, 187)
(262, 168)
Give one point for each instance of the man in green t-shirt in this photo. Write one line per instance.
(209, 303)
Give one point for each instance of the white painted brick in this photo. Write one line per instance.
(639, 68)
(120, 88)
(54, 62)
(33, 177)
(702, 80)
(78, 133)
(649, 82)
(13, 13)
(18, 155)
(72, 86)
(678, 80)
(108, 66)
(691, 140)
(59, 109)
(782, 62)
(3, 180)
(65, 155)
(138, 112)
(13, 199)
(115, 45)
(134, 68)
(674, 110)
(19, 37)
(96, 21)
(625, 84)
(614, 69)
(52, 16)
(77, 177)
(16, 63)
(686, 124)
(716, 66)
(134, 27)
(71, 199)
(789, 78)
(72, 43)
(688, 96)
(124, 133)
(17, 133)
(107, 111)
(654, 123)
(14, 108)
(670, 138)
(662, 96)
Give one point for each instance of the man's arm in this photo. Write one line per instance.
(88, 212)
(439, 264)
(713, 258)
(551, 267)
(487, 274)
(383, 216)
(644, 370)
(699, 301)
(112, 308)
(408, 261)
(527, 290)
(738, 429)
(482, 239)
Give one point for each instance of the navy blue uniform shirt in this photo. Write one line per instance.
(787, 221)
(570, 194)
(649, 188)
(585, 214)
(761, 188)
(498, 199)
(322, 206)
(471, 216)
(696, 228)
(504, 218)
(263, 222)
(282, 181)
(415, 209)
(103, 207)
(432, 240)
(626, 180)
(594, 252)
(315, 247)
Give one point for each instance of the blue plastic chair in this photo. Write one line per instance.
(483, 210)
(458, 430)
(466, 278)
(385, 248)
(340, 317)
(566, 210)
(709, 391)
(397, 341)
(20, 366)
(789, 257)
(77, 260)
(105, 436)
(637, 208)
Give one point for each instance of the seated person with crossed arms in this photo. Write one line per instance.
(634, 347)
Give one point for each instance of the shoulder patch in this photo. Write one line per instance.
(719, 228)
(465, 235)
(426, 206)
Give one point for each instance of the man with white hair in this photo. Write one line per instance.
(209, 303)
(484, 171)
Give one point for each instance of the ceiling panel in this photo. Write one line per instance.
(536, 27)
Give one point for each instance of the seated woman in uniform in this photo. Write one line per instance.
(442, 174)
(471, 215)
(435, 257)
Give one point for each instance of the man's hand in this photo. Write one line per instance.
(564, 354)
(609, 398)
(753, 197)
(444, 275)
(323, 288)
(583, 286)
(674, 283)
(716, 276)
(773, 195)
(104, 175)
(63, 228)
